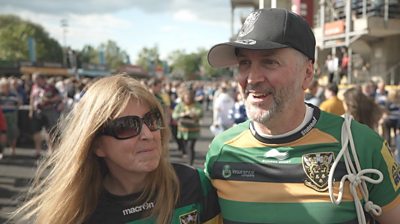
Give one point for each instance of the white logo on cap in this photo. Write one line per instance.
(248, 25)
(246, 42)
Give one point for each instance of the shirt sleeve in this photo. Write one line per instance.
(210, 208)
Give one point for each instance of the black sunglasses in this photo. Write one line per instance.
(131, 126)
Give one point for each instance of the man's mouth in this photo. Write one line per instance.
(259, 95)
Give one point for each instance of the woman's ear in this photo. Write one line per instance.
(98, 150)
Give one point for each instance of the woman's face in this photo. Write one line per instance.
(135, 155)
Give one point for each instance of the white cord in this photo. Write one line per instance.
(356, 176)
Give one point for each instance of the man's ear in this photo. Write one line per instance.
(309, 74)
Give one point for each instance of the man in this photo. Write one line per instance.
(44, 110)
(223, 103)
(332, 65)
(332, 104)
(274, 168)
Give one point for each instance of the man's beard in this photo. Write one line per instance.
(263, 113)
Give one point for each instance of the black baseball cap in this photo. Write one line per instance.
(266, 29)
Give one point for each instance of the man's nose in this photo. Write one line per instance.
(255, 74)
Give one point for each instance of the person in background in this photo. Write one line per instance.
(223, 102)
(3, 133)
(391, 117)
(332, 104)
(311, 95)
(344, 65)
(381, 94)
(332, 65)
(285, 164)
(369, 89)
(188, 113)
(44, 110)
(238, 112)
(156, 87)
(10, 102)
(362, 108)
(111, 165)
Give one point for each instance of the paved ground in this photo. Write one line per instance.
(16, 172)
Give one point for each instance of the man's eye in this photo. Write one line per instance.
(270, 63)
(243, 62)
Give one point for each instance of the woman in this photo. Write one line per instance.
(362, 108)
(188, 113)
(111, 165)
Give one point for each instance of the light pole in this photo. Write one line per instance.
(64, 26)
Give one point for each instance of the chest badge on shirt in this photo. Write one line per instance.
(189, 218)
(317, 166)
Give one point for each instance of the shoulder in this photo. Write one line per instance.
(231, 133)
(184, 171)
(187, 176)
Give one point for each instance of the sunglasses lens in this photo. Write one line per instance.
(131, 126)
(153, 121)
(125, 127)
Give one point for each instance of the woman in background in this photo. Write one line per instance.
(188, 113)
(362, 108)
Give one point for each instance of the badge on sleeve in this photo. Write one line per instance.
(392, 166)
(189, 218)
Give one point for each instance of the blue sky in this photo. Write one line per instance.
(169, 24)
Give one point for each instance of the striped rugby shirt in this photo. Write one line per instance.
(284, 180)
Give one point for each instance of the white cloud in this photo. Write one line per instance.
(185, 15)
(169, 29)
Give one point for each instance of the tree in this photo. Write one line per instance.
(113, 55)
(88, 55)
(185, 66)
(14, 35)
(149, 59)
(208, 72)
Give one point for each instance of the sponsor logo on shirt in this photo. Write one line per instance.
(140, 208)
(309, 126)
(189, 218)
(317, 166)
(274, 153)
(227, 172)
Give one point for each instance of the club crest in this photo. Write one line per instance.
(248, 25)
(317, 167)
(189, 218)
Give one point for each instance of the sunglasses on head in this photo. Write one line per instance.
(131, 126)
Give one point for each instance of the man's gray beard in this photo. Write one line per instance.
(256, 114)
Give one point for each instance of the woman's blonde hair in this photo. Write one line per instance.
(67, 186)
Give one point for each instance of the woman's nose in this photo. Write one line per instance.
(146, 133)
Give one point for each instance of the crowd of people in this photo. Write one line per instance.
(286, 149)
(47, 98)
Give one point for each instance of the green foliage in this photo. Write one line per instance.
(14, 35)
(193, 66)
(114, 56)
(149, 59)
